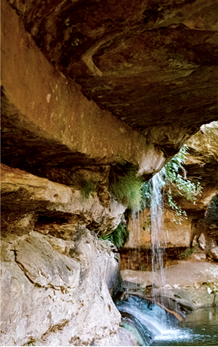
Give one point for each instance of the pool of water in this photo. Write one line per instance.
(199, 329)
(153, 326)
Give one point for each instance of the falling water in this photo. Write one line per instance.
(158, 236)
(150, 323)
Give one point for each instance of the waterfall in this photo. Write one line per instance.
(145, 317)
(158, 236)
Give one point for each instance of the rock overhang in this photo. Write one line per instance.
(153, 65)
(150, 63)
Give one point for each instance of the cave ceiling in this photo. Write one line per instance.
(151, 63)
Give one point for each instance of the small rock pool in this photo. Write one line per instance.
(153, 326)
(199, 329)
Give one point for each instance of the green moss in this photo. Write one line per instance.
(127, 189)
(87, 188)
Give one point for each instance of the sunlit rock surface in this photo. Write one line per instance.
(186, 283)
(54, 292)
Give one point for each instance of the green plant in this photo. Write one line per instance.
(173, 184)
(189, 251)
(146, 195)
(127, 189)
(87, 188)
(179, 185)
(119, 236)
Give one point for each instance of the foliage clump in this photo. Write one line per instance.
(173, 184)
(119, 236)
(87, 188)
(179, 185)
(127, 189)
(189, 251)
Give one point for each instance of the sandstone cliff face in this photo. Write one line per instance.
(151, 63)
(56, 276)
(88, 87)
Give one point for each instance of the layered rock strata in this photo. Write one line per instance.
(87, 87)
(56, 276)
(47, 123)
(153, 63)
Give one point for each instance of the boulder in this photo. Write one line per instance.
(213, 253)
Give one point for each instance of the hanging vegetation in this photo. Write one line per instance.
(127, 189)
(119, 236)
(174, 184)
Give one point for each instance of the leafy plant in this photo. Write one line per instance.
(87, 188)
(146, 195)
(119, 236)
(189, 251)
(173, 184)
(127, 189)
(178, 184)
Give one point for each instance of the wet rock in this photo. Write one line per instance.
(172, 234)
(185, 285)
(127, 338)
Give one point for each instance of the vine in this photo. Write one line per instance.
(174, 184)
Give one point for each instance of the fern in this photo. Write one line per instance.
(119, 236)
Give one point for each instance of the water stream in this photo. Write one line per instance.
(150, 323)
(158, 238)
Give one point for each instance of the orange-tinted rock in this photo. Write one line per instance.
(171, 234)
(48, 123)
(152, 63)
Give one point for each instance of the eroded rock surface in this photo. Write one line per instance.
(54, 292)
(88, 87)
(152, 64)
(201, 225)
(48, 126)
(28, 200)
(172, 235)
